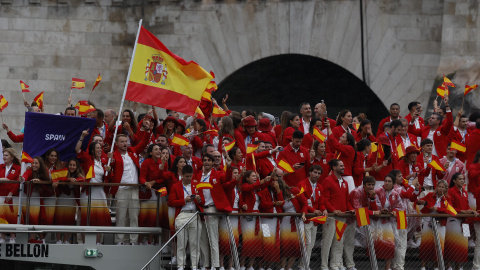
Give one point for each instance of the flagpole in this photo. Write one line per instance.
(125, 91)
(463, 100)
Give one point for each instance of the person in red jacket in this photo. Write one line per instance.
(195, 162)
(436, 131)
(215, 201)
(298, 157)
(360, 168)
(409, 166)
(405, 137)
(9, 171)
(320, 156)
(125, 169)
(343, 124)
(265, 165)
(456, 244)
(473, 171)
(415, 109)
(292, 125)
(394, 115)
(313, 191)
(185, 199)
(428, 176)
(337, 201)
(306, 117)
(365, 131)
(251, 134)
(266, 128)
(473, 143)
(15, 138)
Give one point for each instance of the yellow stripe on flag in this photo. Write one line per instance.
(285, 166)
(204, 186)
(229, 146)
(339, 229)
(362, 216)
(458, 146)
(180, 140)
(251, 148)
(436, 165)
(401, 220)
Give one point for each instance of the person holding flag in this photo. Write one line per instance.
(451, 163)
(308, 139)
(225, 130)
(94, 162)
(409, 166)
(298, 157)
(430, 174)
(408, 139)
(456, 243)
(9, 171)
(235, 154)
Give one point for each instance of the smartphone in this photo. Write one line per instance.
(280, 149)
(302, 163)
(193, 196)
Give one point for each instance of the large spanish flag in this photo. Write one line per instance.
(339, 229)
(59, 175)
(160, 78)
(363, 217)
(458, 146)
(401, 220)
(318, 134)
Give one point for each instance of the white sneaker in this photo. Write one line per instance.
(12, 241)
(174, 260)
(66, 243)
(59, 242)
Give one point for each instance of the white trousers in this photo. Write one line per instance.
(189, 233)
(310, 237)
(331, 247)
(400, 248)
(211, 223)
(349, 244)
(127, 203)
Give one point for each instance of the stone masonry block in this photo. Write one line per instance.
(422, 47)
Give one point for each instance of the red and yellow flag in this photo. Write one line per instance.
(449, 209)
(204, 186)
(199, 113)
(380, 152)
(91, 173)
(401, 220)
(229, 146)
(436, 165)
(180, 140)
(285, 166)
(218, 112)
(24, 87)
(211, 132)
(251, 147)
(254, 164)
(401, 150)
(469, 88)
(374, 147)
(77, 83)
(318, 134)
(458, 146)
(97, 81)
(26, 158)
(442, 90)
(160, 78)
(356, 126)
(339, 229)
(3, 220)
(300, 192)
(162, 191)
(3, 103)
(59, 175)
(362, 216)
(39, 100)
(447, 82)
(83, 107)
(319, 219)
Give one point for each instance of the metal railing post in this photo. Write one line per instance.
(89, 204)
(438, 244)
(27, 210)
(20, 195)
(233, 244)
(371, 248)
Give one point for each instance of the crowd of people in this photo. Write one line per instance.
(410, 164)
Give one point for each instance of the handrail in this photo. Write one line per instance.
(331, 215)
(17, 228)
(79, 183)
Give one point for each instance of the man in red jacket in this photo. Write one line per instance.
(394, 115)
(473, 143)
(297, 156)
(335, 191)
(125, 170)
(215, 201)
(185, 199)
(306, 113)
(314, 195)
(195, 162)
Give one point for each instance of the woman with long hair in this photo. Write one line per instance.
(344, 122)
(456, 244)
(37, 172)
(47, 192)
(236, 156)
(287, 133)
(347, 151)
(93, 161)
(66, 199)
(308, 139)
(225, 129)
(9, 171)
(128, 126)
(278, 129)
(360, 167)
(320, 156)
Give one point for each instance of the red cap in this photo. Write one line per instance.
(411, 149)
(264, 125)
(249, 121)
(170, 118)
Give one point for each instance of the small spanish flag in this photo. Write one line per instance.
(26, 158)
(405, 182)
(442, 90)
(363, 217)
(39, 100)
(436, 165)
(162, 191)
(83, 107)
(24, 87)
(356, 126)
(318, 134)
(380, 152)
(251, 147)
(212, 86)
(205, 185)
(211, 132)
(59, 175)
(449, 209)
(285, 166)
(90, 173)
(77, 83)
(217, 112)
(97, 81)
(458, 146)
(3, 103)
(319, 219)
(180, 140)
(339, 229)
(374, 147)
(401, 150)
(401, 220)
(301, 192)
(447, 82)
(229, 146)
(469, 88)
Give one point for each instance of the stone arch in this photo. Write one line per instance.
(282, 82)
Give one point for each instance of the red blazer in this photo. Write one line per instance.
(459, 200)
(319, 202)
(299, 201)
(473, 145)
(435, 174)
(248, 194)
(431, 199)
(13, 174)
(440, 137)
(108, 136)
(269, 136)
(176, 197)
(301, 126)
(197, 164)
(380, 129)
(359, 169)
(117, 162)
(170, 179)
(266, 201)
(307, 141)
(15, 138)
(338, 131)
(216, 179)
(473, 177)
(87, 161)
(417, 167)
(347, 154)
(336, 196)
(287, 136)
(323, 162)
(240, 140)
(249, 160)
(420, 120)
(150, 171)
(289, 155)
(411, 137)
(257, 136)
(264, 166)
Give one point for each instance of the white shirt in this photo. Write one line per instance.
(274, 208)
(387, 199)
(99, 172)
(237, 199)
(101, 130)
(430, 136)
(306, 125)
(206, 192)
(187, 191)
(272, 160)
(130, 172)
(7, 169)
(257, 202)
(406, 141)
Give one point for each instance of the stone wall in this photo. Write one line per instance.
(408, 44)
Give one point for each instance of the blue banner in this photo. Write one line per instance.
(44, 131)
